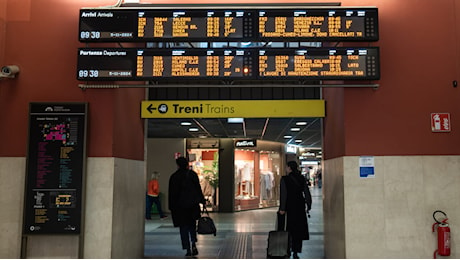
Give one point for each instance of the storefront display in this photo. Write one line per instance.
(269, 173)
(257, 175)
(205, 163)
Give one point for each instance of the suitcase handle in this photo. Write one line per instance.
(280, 221)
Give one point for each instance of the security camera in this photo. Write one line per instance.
(9, 71)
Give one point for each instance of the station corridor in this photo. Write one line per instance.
(240, 235)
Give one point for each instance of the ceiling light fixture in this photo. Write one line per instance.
(301, 123)
(185, 123)
(298, 141)
(235, 120)
(287, 136)
(295, 129)
(193, 129)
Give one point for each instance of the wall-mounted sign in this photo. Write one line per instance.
(440, 122)
(232, 108)
(55, 168)
(291, 149)
(245, 143)
(366, 167)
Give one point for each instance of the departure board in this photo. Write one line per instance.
(144, 64)
(228, 64)
(320, 63)
(218, 24)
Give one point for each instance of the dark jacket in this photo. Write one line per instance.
(184, 197)
(295, 199)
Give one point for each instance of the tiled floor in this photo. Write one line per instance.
(240, 235)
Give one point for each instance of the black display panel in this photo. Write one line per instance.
(188, 25)
(320, 63)
(145, 64)
(55, 167)
(229, 64)
(336, 24)
(164, 25)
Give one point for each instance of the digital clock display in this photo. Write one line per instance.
(250, 24)
(228, 64)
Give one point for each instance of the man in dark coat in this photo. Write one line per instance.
(184, 198)
(295, 199)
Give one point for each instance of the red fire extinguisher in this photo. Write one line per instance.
(443, 235)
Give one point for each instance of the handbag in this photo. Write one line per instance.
(206, 224)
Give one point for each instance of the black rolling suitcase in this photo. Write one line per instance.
(278, 240)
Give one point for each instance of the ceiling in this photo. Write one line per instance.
(269, 129)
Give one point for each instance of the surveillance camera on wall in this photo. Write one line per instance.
(9, 71)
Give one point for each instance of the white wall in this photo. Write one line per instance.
(160, 158)
(390, 216)
(12, 177)
(114, 226)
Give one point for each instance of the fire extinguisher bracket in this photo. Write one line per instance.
(442, 212)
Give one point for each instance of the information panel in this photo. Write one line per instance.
(144, 64)
(165, 25)
(319, 24)
(334, 63)
(53, 198)
(229, 64)
(250, 24)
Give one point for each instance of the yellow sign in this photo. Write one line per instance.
(232, 108)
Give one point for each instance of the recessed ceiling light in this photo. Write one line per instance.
(193, 129)
(295, 129)
(185, 123)
(301, 123)
(288, 136)
(298, 141)
(235, 120)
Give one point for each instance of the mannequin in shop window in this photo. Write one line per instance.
(246, 182)
(266, 185)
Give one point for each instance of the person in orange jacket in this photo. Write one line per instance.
(153, 196)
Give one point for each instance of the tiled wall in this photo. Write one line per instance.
(390, 215)
(12, 176)
(114, 226)
(114, 208)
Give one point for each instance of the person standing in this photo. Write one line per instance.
(295, 200)
(153, 196)
(184, 197)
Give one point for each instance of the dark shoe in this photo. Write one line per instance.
(295, 256)
(194, 250)
(189, 253)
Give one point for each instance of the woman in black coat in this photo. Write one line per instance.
(184, 199)
(295, 199)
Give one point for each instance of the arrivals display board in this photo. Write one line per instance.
(252, 23)
(55, 168)
(228, 64)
